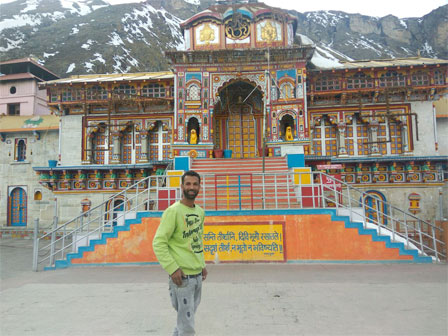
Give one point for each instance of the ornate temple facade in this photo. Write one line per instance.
(243, 84)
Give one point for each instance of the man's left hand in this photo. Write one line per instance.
(204, 274)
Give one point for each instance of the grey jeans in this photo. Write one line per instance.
(185, 299)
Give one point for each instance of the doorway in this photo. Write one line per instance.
(17, 208)
(238, 119)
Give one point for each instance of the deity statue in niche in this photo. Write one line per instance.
(207, 34)
(193, 137)
(269, 32)
(288, 134)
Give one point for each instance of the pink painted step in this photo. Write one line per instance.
(231, 173)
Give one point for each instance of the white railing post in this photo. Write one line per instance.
(263, 185)
(434, 241)
(420, 235)
(406, 229)
(35, 244)
(53, 238)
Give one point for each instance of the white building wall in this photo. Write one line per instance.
(13, 173)
(425, 145)
(71, 140)
(442, 135)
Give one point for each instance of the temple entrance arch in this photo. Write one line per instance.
(238, 118)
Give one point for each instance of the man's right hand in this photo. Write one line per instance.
(177, 277)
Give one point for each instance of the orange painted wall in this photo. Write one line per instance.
(307, 237)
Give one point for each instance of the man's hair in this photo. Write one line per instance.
(191, 173)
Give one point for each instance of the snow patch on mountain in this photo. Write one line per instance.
(115, 39)
(46, 55)
(173, 23)
(324, 59)
(80, 7)
(75, 30)
(99, 58)
(88, 44)
(30, 6)
(71, 67)
(325, 18)
(193, 2)
(11, 44)
(20, 21)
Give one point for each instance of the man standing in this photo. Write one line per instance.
(178, 247)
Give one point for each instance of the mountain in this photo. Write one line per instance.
(91, 36)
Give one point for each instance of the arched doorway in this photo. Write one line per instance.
(115, 209)
(375, 207)
(17, 208)
(238, 119)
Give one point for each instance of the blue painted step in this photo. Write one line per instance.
(386, 239)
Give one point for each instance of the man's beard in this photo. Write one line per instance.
(192, 195)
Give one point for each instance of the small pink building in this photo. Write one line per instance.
(19, 91)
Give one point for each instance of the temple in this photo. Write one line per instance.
(244, 87)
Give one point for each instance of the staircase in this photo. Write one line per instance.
(235, 184)
(241, 189)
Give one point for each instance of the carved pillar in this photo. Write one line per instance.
(342, 150)
(311, 140)
(373, 129)
(144, 146)
(405, 139)
(116, 149)
(88, 157)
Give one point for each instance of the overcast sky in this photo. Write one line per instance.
(399, 8)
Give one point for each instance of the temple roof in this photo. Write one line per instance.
(251, 10)
(101, 78)
(381, 63)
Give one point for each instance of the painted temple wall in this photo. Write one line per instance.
(21, 174)
(71, 140)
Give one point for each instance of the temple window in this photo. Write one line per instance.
(326, 83)
(125, 89)
(331, 146)
(420, 78)
(359, 81)
(392, 79)
(54, 97)
(96, 93)
(193, 92)
(99, 146)
(71, 95)
(153, 91)
(20, 150)
(127, 145)
(439, 77)
(159, 143)
(350, 138)
(362, 137)
(396, 145)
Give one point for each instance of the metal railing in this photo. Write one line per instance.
(241, 192)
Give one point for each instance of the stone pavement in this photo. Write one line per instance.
(238, 299)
